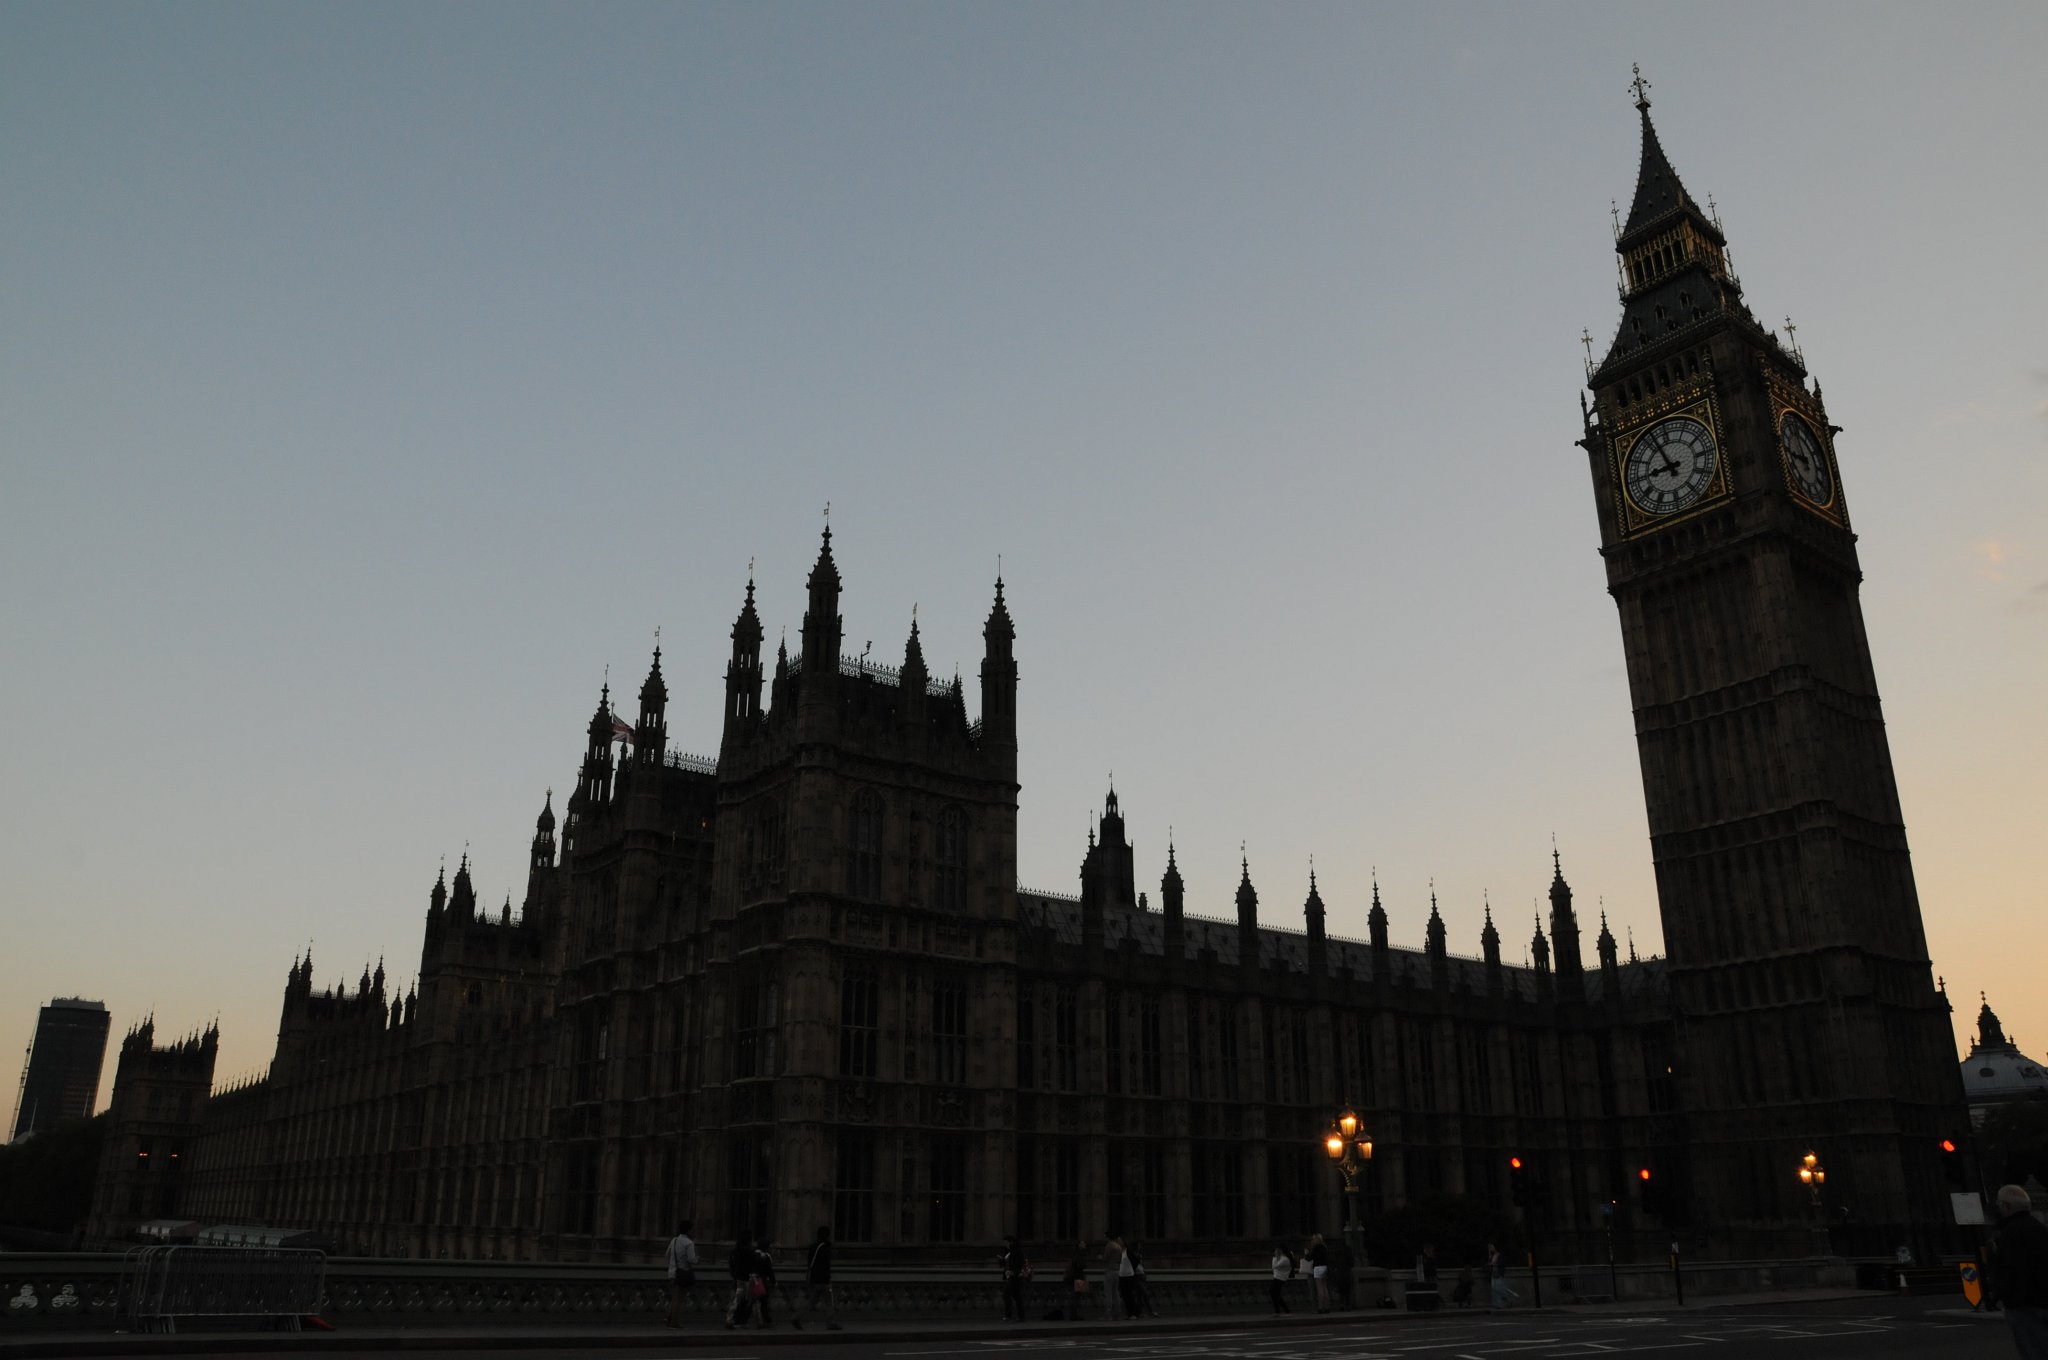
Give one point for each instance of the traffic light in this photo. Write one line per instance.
(1952, 1165)
(1518, 1182)
(1652, 1191)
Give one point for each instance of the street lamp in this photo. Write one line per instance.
(1813, 1176)
(1350, 1147)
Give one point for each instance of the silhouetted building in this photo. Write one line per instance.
(62, 1078)
(799, 983)
(1799, 971)
(1996, 1072)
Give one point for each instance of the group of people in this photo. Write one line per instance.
(1125, 1295)
(1329, 1270)
(2018, 1273)
(751, 1268)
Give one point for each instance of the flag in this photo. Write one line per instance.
(622, 730)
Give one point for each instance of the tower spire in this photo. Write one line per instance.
(821, 618)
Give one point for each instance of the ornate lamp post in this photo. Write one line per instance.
(1350, 1147)
(1813, 1176)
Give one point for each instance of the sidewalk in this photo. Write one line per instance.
(650, 1333)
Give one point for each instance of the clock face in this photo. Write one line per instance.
(1804, 461)
(1670, 465)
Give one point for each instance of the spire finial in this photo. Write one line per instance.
(828, 524)
(1641, 87)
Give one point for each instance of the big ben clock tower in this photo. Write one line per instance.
(1805, 1009)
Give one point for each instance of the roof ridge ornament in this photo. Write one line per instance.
(1641, 87)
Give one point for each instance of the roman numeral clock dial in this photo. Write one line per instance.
(1670, 465)
(1805, 464)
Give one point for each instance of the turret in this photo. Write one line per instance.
(1539, 950)
(1489, 949)
(462, 902)
(1111, 862)
(1092, 892)
(821, 621)
(916, 680)
(743, 672)
(1436, 943)
(1172, 896)
(544, 836)
(652, 734)
(1990, 1033)
(1318, 943)
(1376, 931)
(437, 907)
(594, 783)
(1247, 917)
(1610, 963)
(999, 678)
(1564, 928)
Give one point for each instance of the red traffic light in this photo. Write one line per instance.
(1644, 1174)
(1515, 1162)
(1948, 1145)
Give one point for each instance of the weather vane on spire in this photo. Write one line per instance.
(1640, 86)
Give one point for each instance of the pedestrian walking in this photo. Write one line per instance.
(818, 1289)
(1141, 1290)
(1127, 1281)
(2019, 1272)
(1461, 1294)
(1112, 1270)
(1319, 1271)
(1497, 1276)
(762, 1286)
(1016, 1268)
(1283, 1271)
(1343, 1275)
(741, 1267)
(1077, 1282)
(682, 1271)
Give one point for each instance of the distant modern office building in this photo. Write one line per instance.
(63, 1073)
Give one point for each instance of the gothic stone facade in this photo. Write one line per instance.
(802, 988)
(799, 985)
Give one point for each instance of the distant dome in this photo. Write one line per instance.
(1996, 1071)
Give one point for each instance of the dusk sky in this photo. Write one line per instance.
(374, 376)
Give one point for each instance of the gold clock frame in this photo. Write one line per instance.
(1699, 404)
(1790, 398)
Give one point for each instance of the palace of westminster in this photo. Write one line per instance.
(800, 986)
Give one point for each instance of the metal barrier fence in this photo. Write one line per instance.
(163, 1284)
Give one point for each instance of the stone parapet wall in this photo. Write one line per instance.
(84, 1290)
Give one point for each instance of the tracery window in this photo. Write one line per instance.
(952, 860)
(949, 1032)
(864, 846)
(858, 1004)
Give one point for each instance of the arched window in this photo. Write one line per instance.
(864, 846)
